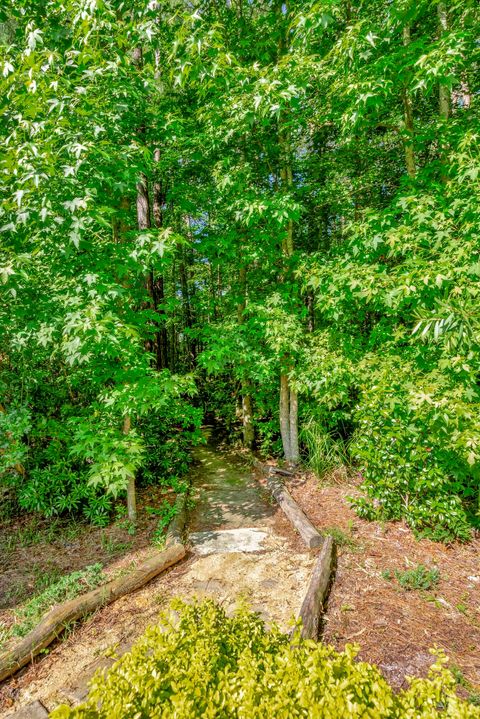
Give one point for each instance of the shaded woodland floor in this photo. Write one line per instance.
(36, 551)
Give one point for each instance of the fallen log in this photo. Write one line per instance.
(55, 621)
(315, 598)
(279, 470)
(270, 469)
(298, 518)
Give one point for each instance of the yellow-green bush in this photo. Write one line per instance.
(206, 664)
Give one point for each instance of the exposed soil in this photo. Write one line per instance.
(395, 628)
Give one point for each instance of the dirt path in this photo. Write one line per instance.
(240, 550)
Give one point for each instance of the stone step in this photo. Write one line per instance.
(223, 541)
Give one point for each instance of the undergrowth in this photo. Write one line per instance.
(200, 663)
(165, 512)
(325, 453)
(417, 578)
(68, 587)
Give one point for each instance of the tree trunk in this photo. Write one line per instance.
(187, 309)
(143, 203)
(443, 94)
(143, 223)
(131, 494)
(247, 416)
(408, 118)
(247, 404)
(285, 416)
(161, 342)
(443, 90)
(293, 422)
(288, 398)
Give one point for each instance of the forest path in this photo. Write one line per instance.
(231, 512)
(241, 549)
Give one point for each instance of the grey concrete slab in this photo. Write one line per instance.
(244, 539)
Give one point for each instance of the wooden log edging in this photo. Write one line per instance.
(310, 535)
(55, 621)
(314, 602)
(313, 605)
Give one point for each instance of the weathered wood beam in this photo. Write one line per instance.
(55, 621)
(317, 593)
(296, 515)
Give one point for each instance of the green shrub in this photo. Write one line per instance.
(206, 664)
(168, 437)
(418, 577)
(165, 512)
(412, 446)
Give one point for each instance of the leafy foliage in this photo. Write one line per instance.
(209, 664)
(417, 578)
(202, 203)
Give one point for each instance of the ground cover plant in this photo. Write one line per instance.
(27, 616)
(418, 577)
(206, 663)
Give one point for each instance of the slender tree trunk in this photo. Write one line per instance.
(247, 404)
(288, 398)
(285, 416)
(131, 494)
(443, 90)
(161, 341)
(143, 203)
(408, 118)
(247, 415)
(187, 309)
(293, 421)
(443, 94)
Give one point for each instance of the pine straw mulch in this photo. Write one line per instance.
(395, 628)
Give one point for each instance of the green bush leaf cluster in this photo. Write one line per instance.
(203, 663)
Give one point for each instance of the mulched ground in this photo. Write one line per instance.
(396, 628)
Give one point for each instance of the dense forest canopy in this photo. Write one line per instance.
(261, 210)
